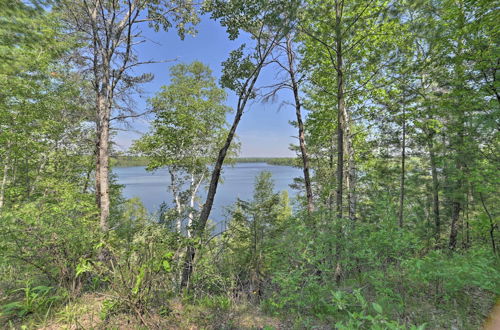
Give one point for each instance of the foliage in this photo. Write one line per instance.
(390, 280)
(34, 300)
(253, 225)
(190, 120)
(48, 236)
(410, 87)
(142, 274)
(187, 133)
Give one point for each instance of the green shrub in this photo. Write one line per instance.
(46, 238)
(31, 300)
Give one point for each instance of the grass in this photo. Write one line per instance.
(86, 313)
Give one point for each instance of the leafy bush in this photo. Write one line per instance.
(48, 236)
(450, 275)
(386, 275)
(140, 274)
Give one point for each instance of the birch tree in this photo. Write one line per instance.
(186, 134)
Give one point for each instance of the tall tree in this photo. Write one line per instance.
(42, 112)
(187, 133)
(109, 31)
(285, 57)
(294, 83)
(261, 20)
(343, 48)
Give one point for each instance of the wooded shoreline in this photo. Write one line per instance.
(128, 161)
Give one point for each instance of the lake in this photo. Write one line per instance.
(238, 182)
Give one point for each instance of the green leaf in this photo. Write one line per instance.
(166, 266)
(138, 280)
(377, 308)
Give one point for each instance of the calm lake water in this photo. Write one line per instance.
(238, 182)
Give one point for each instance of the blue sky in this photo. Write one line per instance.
(264, 130)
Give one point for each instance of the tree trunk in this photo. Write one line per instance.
(350, 177)
(456, 194)
(457, 184)
(107, 35)
(214, 180)
(4, 180)
(207, 207)
(435, 189)
(97, 169)
(331, 176)
(300, 124)
(340, 135)
(458, 142)
(466, 238)
(493, 225)
(187, 269)
(99, 101)
(402, 183)
(103, 162)
(177, 200)
(340, 110)
(455, 215)
(194, 191)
